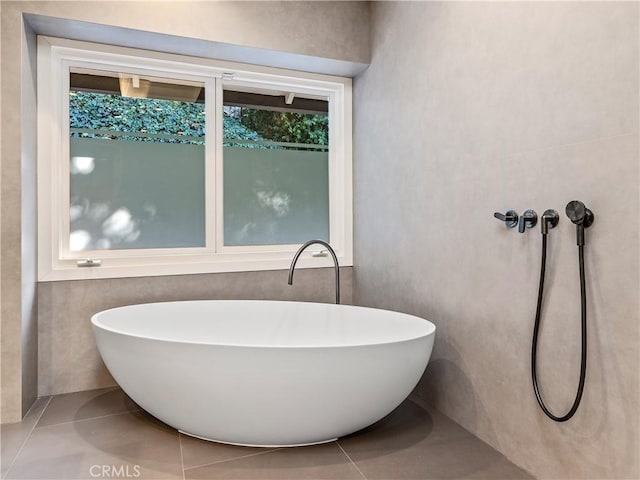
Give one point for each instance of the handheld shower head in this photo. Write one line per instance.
(581, 216)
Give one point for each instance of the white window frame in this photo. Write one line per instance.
(56, 262)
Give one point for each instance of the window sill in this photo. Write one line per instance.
(112, 269)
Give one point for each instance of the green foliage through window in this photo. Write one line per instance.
(147, 116)
(287, 127)
(99, 115)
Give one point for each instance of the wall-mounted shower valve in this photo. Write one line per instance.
(510, 218)
(527, 220)
(550, 219)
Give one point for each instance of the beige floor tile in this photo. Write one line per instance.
(88, 404)
(127, 445)
(407, 425)
(318, 462)
(196, 452)
(420, 444)
(103, 433)
(13, 435)
(457, 458)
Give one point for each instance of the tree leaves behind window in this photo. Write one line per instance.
(99, 111)
(175, 119)
(234, 130)
(287, 127)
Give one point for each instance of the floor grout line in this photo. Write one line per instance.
(91, 418)
(24, 442)
(351, 460)
(181, 455)
(416, 400)
(234, 458)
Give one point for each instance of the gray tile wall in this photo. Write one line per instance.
(474, 107)
(17, 200)
(68, 357)
(333, 29)
(29, 240)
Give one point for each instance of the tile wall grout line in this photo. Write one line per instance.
(91, 418)
(351, 460)
(181, 455)
(529, 151)
(24, 442)
(234, 458)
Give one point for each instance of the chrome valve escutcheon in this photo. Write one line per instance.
(528, 219)
(510, 218)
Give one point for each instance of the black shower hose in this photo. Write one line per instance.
(536, 328)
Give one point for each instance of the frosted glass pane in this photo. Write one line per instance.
(134, 194)
(275, 196)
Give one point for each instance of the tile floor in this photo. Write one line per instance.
(103, 434)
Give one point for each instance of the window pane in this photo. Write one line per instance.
(276, 170)
(137, 162)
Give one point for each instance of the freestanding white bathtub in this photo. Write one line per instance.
(264, 373)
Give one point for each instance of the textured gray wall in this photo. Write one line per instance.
(29, 240)
(471, 108)
(18, 343)
(335, 30)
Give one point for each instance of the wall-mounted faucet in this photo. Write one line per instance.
(335, 264)
(527, 220)
(510, 218)
(549, 220)
(582, 218)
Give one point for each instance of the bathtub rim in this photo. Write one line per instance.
(431, 327)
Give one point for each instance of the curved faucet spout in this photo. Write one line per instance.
(335, 263)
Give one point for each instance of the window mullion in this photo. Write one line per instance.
(217, 181)
(213, 134)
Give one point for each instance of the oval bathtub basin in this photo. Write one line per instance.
(264, 373)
